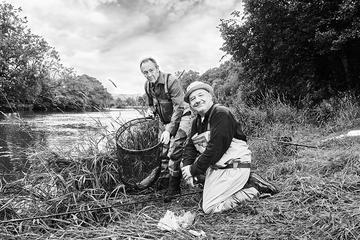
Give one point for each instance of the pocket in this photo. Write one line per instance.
(167, 110)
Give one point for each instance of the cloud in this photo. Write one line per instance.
(106, 39)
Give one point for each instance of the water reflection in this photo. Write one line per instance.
(19, 133)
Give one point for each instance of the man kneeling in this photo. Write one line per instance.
(217, 148)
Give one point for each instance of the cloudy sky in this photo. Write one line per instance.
(106, 39)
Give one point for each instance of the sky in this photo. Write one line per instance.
(106, 39)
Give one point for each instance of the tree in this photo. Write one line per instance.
(53, 94)
(142, 100)
(23, 59)
(296, 48)
(83, 93)
(98, 96)
(130, 101)
(119, 103)
(189, 77)
(225, 81)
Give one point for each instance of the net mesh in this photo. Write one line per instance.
(138, 150)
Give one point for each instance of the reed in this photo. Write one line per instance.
(319, 197)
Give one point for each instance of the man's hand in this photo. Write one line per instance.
(165, 137)
(199, 139)
(150, 112)
(187, 175)
(190, 182)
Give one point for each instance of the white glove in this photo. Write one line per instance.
(190, 182)
(150, 112)
(187, 175)
(165, 137)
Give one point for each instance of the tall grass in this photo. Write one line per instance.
(318, 199)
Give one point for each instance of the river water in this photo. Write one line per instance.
(25, 130)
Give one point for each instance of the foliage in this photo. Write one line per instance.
(130, 102)
(188, 77)
(298, 49)
(318, 190)
(119, 103)
(142, 100)
(32, 77)
(226, 81)
(23, 56)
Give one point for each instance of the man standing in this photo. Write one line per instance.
(166, 99)
(217, 148)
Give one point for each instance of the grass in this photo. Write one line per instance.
(319, 197)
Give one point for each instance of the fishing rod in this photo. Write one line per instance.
(94, 209)
(284, 142)
(180, 75)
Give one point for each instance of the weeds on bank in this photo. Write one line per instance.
(318, 199)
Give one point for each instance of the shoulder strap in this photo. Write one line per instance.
(208, 125)
(211, 112)
(166, 87)
(147, 88)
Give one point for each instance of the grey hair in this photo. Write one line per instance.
(149, 59)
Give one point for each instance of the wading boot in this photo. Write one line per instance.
(173, 190)
(265, 188)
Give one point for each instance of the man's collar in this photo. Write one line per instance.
(208, 112)
(161, 78)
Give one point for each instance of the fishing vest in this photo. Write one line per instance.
(162, 103)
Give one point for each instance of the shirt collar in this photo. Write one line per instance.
(161, 78)
(207, 113)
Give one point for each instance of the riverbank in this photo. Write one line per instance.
(20, 133)
(77, 193)
(318, 199)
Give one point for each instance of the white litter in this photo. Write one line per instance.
(353, 133)
(200, 233)
(172, 222)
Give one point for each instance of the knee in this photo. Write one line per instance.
(174, 168)
(209, 209)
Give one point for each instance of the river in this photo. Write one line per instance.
(22, 132)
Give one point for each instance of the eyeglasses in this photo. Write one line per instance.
(151, 70)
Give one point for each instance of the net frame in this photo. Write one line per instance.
(125, 152)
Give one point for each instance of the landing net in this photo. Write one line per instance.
(138, 149)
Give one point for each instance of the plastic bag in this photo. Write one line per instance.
(172, 222)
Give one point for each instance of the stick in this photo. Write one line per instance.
(290, 143)
(181, 74)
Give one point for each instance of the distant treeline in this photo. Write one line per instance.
(129, 102)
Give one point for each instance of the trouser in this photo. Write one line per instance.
(172, 154)
(225, 188)
(177, 146)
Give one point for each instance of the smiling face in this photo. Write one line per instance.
(150, 70)
(200, 101)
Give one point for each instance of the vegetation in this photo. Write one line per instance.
(32, 76)
(82, 197)
(132, 101)
(296, 49)
(294, 73)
